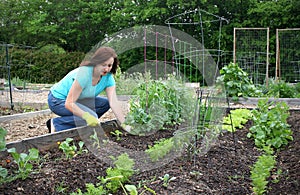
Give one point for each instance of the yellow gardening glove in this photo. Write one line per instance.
(90, 119)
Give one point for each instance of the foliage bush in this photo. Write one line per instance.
(237, 82)
(158, 103)
(280, 89)
(39, 66)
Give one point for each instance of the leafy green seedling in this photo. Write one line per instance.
(3, 173)
(166, 179)
(270, 125)
(117, 133)
(260, 172)
(23, 161)
(96, 141)
(70, 150)
(160, 149)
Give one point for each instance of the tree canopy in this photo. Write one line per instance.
(76, 25)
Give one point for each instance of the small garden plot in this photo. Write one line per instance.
(224, 169)
(254, 151)
(168, 160)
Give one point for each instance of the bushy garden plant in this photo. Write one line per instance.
(280, 89)
(237, 82)
(157, 103)
(270, 124)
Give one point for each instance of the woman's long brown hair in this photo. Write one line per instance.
(100, 56)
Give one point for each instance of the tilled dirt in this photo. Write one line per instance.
(224, 169)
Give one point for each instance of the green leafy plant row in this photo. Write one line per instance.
(160, 149)
(260, 172)
(270, 131)
(270, 124)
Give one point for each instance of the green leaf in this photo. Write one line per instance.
(131, 189)
(3, 172)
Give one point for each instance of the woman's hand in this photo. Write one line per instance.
(90, 119)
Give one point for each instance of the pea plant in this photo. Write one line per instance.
(158, 103)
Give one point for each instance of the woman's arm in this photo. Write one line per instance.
(72, 97)
(114, 103)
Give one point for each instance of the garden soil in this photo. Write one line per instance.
(224, 169)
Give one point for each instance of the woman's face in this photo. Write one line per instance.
(105, 67)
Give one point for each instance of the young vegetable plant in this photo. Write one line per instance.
(117, 133)
(237, 118)
(167, 179)
(96, 141)
(115, 178)
(70, 150)
(23, 161)
(120, 174)
(160, 149)
(260, 172)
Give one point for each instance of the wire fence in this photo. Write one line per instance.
(251, 52)
(288, 55)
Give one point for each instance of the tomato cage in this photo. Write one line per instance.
(204, 60)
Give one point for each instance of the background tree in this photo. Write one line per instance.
(77, 25)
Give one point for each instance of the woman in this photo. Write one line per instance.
(75, 98)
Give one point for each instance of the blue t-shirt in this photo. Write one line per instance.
(84, 76)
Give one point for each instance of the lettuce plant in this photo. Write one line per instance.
(236, 119)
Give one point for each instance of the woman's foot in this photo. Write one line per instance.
(50, 126)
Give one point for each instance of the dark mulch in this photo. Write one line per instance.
(224, 169)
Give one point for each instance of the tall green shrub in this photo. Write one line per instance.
(237, 82)
(41, 66)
